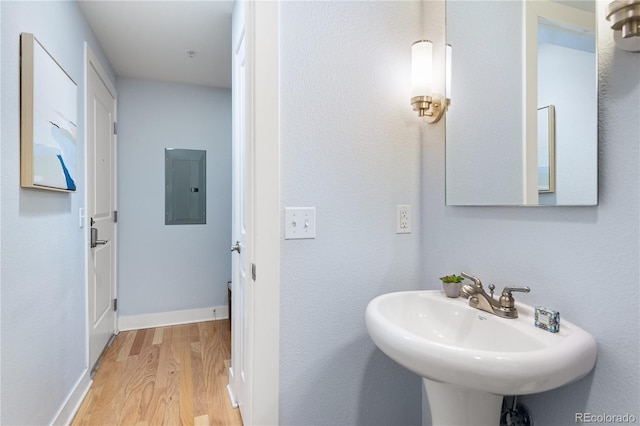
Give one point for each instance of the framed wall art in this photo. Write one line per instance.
(48, 120)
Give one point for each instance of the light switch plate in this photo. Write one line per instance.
(299, 223)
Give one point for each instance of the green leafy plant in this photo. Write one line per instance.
(451, 278)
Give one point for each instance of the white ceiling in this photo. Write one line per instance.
(150, 39)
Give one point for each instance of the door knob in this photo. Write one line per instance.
(94, 238)
(236, 247)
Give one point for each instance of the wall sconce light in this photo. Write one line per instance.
(624, 16)
(430, 106)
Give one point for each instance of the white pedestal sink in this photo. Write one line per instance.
(469, 359)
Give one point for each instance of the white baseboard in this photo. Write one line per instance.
(162, 319)
(72, 404)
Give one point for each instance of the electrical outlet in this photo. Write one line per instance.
(403, 219)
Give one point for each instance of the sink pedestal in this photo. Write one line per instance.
(454, 405)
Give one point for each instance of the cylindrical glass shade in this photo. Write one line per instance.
(448, 52)
(421, 68)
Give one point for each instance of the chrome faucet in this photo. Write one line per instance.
(504, 307)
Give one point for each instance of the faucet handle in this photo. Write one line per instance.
(506, 301)
(507, 290)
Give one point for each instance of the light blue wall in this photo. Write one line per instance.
(582, 261)
(43, 248)
(349, 147)
(169, 268)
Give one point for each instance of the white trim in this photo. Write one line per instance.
(264, 387)
(72, 404)
(95, 62)
(91, 61)
(162, 319)
(85, 206)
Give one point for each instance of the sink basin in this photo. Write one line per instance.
(451, 344)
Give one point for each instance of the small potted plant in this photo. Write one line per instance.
(452, 284)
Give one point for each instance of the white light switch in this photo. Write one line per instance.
(299, 223)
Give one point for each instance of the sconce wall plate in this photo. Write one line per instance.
(430, 108)
(624, 16)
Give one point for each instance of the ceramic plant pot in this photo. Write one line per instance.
(452, 289)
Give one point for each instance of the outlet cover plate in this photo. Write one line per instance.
(403, 219)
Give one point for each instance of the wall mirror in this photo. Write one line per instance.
(522, 126)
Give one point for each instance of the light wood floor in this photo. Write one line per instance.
(163, 376)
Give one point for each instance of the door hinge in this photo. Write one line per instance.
(115, 128)
(253, 271)
(115, 304)
(115, 216)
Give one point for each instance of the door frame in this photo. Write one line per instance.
(92, 61)
(263, 134)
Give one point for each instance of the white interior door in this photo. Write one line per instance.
(254, 376)
(242, 284)
(101, 207)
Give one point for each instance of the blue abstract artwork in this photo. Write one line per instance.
(54, 128)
